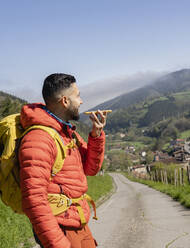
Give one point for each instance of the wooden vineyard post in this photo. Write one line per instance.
(162, 178)
(154, 176)
(150, 176)
(180, 177)
(175, 176)
(170, 177)
(157, 176)
(188, 174)
(165, 177)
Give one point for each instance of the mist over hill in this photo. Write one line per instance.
(177, 81)
(101, 91)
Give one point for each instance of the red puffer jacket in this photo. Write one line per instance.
(37, 154)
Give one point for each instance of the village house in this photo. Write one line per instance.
(181, 150)
(140, 168)
(122, 135)
(130, 149)
(177, 142)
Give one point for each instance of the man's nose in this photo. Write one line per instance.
(81, 101)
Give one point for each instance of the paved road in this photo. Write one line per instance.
(137, 216)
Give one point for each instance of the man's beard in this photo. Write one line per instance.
(73, 114)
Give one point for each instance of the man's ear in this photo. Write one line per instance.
(64, 101)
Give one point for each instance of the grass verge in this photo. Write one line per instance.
(178, 193)
(15, 229)
(99, 186)
(185, 134)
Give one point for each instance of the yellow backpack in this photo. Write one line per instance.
(11, 131)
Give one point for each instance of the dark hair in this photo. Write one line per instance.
(54, 83)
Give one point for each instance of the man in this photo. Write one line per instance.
(37, 154)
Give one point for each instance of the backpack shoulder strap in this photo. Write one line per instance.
(61, 148)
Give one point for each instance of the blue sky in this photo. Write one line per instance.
(93, 40)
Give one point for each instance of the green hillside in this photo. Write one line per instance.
(154, 114)
(9, 104)
(150, 112)
(175, 82)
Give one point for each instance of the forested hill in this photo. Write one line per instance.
(9, 104)
(177, 81)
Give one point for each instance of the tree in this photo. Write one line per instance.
(149, 157)
(171, 131)
(158, 144)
